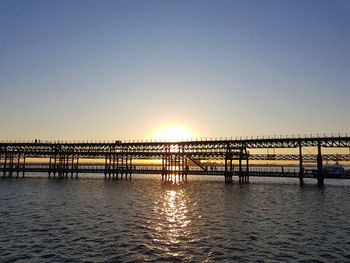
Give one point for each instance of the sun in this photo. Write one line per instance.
(173, 134)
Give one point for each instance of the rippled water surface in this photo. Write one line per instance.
(94, 220)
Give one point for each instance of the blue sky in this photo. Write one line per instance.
(122, 69)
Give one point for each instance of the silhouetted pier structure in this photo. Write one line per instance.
(177, 158)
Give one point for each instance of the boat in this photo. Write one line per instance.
(334, 169)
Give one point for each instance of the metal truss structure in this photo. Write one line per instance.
(63, 157)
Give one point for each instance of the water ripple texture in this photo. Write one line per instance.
(147, 220)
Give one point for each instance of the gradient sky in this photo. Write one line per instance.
(122, 69)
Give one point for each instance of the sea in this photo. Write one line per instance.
(148, 220)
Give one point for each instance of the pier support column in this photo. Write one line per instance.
(228, 167)
(60, 173)
(168, 165)
(50, 166)
(320, 179)
(5, 164)
(163, 167)
(113, 166)
(77, 168)
(187, 169)
(183, 168)
(72, 168)
(240, 169)
(109, 166)
(121, 167)
(168, 168)
(127, 167)
(11, 165)
(18, 164)
(247, 170)
(60, 167)
(54, 166)
(24, 166)
(130, 168)
(63, 167)
(301, 168)
(105, 168)
(67, 166)
(117, 167)
(226, 171)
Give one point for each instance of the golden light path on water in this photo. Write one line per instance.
(172, 228)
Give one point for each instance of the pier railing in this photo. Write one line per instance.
(196, 139)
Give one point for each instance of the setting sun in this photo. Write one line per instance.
(173, 133)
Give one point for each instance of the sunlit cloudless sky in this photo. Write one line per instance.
(123, 69)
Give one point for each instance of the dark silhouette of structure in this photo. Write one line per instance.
(63, 157)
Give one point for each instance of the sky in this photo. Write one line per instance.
(128, 69)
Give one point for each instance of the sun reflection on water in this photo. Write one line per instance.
(172, 231)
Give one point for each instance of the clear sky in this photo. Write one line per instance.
(123, 69)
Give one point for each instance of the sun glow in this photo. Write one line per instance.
(173, 134)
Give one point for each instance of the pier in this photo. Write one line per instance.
(176, 160)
